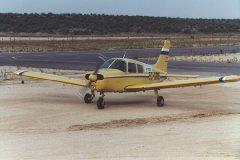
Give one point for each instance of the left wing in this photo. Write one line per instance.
(182, 83)
(51, 77)
(181, 76)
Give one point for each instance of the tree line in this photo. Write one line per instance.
(101, 24)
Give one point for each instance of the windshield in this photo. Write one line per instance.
(107, 63)
(119, 64)
(115, 64)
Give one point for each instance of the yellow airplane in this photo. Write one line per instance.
(127, 75)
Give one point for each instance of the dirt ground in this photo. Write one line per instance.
(47, 120)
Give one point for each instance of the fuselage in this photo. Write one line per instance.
(120, 73)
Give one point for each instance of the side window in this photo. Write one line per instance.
(132, 68)
(140, 68)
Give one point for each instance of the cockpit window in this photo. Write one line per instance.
(119, 64)
(132, 68)
(115, 64)
(140, 68)
(107, 63)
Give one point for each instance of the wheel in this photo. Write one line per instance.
(100, 103)
(88, 98)
(160, 101)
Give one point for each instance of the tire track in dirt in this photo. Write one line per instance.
(144, 121)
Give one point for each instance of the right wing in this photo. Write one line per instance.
(51, 77)
(182, 83)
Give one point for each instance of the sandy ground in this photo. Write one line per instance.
(46, 120)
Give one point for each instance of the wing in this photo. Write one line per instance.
(51, 77)
(147, 75)
(181, 76)
(182, 83)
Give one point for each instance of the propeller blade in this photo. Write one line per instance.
(98, 65)
(85, 89)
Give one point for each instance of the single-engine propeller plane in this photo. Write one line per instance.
(128, 75)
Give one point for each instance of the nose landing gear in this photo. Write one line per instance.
(100, 101)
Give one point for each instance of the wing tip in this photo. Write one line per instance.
(21, 72)
(229, 78)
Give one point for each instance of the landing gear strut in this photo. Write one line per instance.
(100, 101)
(160, 99)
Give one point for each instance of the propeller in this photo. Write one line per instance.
(93, 77)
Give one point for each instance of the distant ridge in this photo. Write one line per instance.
(94, 24)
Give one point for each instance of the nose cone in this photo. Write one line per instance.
(93, 78)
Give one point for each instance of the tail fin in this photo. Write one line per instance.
(162, 62)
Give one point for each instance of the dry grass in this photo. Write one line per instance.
(106, 44)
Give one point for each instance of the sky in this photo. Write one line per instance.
(164, 8)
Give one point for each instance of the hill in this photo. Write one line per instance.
(93, 24)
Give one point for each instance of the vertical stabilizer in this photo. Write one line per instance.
(162, 62)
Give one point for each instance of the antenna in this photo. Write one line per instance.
(125, 54)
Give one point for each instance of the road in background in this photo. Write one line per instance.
(88, 60)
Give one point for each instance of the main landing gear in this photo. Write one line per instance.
(88, 98)
(100, 102)
(160, 99)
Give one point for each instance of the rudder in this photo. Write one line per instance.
(162, 62)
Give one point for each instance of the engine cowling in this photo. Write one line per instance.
(94, 77)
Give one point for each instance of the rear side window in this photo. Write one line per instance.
(140, 68)
(132, 68)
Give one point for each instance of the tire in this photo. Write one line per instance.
(160, 101)
(88, 98)
(100, 103)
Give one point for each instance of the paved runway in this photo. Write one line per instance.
(88, 60)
